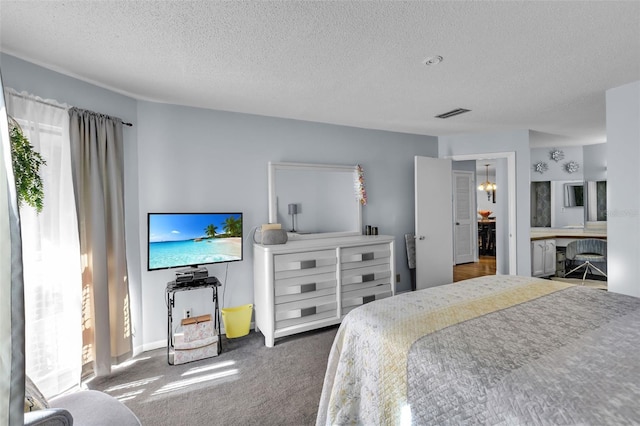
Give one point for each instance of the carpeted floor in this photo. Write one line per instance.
(247, 384)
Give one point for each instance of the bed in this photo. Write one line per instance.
(490, 350)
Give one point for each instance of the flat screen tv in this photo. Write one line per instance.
(178, 240)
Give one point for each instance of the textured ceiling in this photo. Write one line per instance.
(538, 65)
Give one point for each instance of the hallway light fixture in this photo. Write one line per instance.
(487, 186)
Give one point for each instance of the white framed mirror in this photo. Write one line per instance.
(324, 196)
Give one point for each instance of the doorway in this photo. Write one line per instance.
(477, 196)
(434, 226)
(505, 260)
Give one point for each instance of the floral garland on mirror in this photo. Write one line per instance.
(360, 190)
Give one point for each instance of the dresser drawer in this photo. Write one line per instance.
(367, 276)
(357, 257)
(304, 263)
(303, 311)
(304, 287)
(353, 299)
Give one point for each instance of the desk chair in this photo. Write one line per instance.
(586, 252)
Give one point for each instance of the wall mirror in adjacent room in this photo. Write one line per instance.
(581, 202)
(560, 204)
(557, 204)
(314, 200)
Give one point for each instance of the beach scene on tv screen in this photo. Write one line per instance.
(194, 239)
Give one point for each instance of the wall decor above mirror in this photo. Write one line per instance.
(325, 196)
(540, 167)
(556, 155)
(571, 167)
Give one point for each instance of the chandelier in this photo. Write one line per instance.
(487, 186)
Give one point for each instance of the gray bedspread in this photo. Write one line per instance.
(500, 350)
(571, 357)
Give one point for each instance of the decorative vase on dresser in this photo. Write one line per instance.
(308, 284)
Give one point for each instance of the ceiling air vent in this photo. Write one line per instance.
(453, 112)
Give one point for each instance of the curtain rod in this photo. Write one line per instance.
(12, 93)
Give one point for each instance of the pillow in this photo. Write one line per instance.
(33, 398)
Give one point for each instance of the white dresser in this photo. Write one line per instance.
(307, 284)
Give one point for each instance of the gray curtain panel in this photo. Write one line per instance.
(98, 175)
(11, 286)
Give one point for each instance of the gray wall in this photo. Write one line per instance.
(623, 195)
(556, 171)
(595, 162)
(514, 141)
(202, 160)
(188, 159)
(502, 215)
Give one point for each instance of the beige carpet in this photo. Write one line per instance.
(597, 284)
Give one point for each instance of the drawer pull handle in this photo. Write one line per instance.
(308, 311)
(306, 288)
(307, 264)
(368, 256)
(368, 277)
(368, 299)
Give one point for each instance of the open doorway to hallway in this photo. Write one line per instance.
(483, 210)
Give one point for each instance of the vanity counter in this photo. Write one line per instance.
(571, 233)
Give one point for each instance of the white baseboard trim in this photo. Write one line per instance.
(154, 345)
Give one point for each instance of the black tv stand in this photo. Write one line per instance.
(172, 288)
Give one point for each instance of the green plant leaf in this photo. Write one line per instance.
(26, 168)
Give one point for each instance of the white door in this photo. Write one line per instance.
(434, 224)
(464, 217)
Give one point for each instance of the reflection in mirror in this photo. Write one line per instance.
(574, 194)
(596, 201)
(324, 197)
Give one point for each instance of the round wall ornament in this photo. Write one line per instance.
(556, 155)
(571, 167)
(540, 167)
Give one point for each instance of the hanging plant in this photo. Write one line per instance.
(26, 168)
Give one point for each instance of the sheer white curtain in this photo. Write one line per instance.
(51, 251)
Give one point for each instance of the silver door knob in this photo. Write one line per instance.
(421, 237)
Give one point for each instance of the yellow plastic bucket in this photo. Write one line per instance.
(237, 320)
